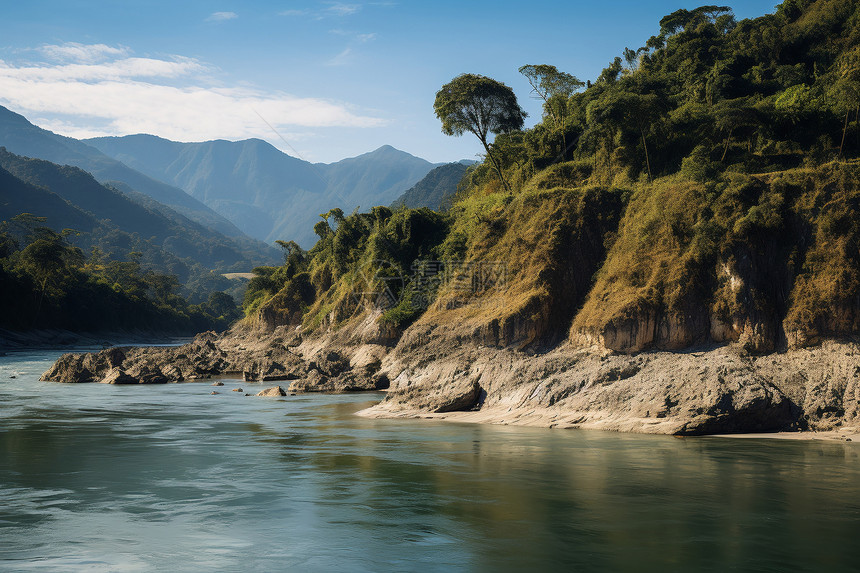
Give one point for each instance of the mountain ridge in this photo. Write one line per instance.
(72, 198)
(267, 193)
(22, 137)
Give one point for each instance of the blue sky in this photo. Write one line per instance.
(320, 79)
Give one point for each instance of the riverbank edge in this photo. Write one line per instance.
(714, 390)
(16, 341)
(719, 389)
(550, 420)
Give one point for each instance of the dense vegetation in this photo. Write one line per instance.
(367, 259)
(45, 282)
(703, 187)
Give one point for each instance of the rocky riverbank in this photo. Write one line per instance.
(241, 352)
(719, 389)
(715, 390)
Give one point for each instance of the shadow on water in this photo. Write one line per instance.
(513, 497)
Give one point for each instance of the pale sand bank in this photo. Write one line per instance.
(546, 418)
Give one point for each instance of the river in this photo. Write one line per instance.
(171, 478)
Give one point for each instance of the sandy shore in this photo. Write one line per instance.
(553, 419)
(839, 435)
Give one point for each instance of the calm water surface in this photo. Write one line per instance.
(171, 478)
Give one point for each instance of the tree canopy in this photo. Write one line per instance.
(478, 105)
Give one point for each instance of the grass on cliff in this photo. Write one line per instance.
(758, 249)
(546, 242)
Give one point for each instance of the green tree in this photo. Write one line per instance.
(479, 105)
(8, 244)
(554, 88)
(619, 110)
(48, 259)
(695, 20)
(222, 304)
(732, 116)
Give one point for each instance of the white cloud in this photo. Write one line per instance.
(342, 9)
(341, 59)
(345, 56)
(115, 70)
(222, 16)
(330, 9)
(83, 53)
(167, 97)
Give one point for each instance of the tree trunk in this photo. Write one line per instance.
(857, 120)
(560, 123)
(647, 160)
(495, 165)
(726, 148)
(41, 298)
(844, 131)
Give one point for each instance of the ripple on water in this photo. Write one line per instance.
(169, 478)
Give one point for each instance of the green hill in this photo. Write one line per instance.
(21, 137)
(113, 209)
(436, 190)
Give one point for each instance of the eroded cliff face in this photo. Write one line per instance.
(720, 389)
(769, 262)
(725, 272)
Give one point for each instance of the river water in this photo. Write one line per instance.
(171, 478)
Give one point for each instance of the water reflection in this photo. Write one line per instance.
(170, 478)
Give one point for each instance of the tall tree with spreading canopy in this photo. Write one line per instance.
(479, 105)
(554, 88)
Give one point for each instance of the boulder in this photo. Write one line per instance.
(274, 391)
(458, 397)
(117, 375)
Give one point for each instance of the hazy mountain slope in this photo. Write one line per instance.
(17, 196)
(375, 178)
(81, 190)
(432, 191)
(249, 182)
(20, 136)
(113, 209)
(266, 193)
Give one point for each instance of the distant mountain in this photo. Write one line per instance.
(71, 198)
(20, 136)
(437, 186)
(265, 192)
(250, 182)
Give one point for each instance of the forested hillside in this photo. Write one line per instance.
(47, 283)
(703, 188)
(436, 190)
